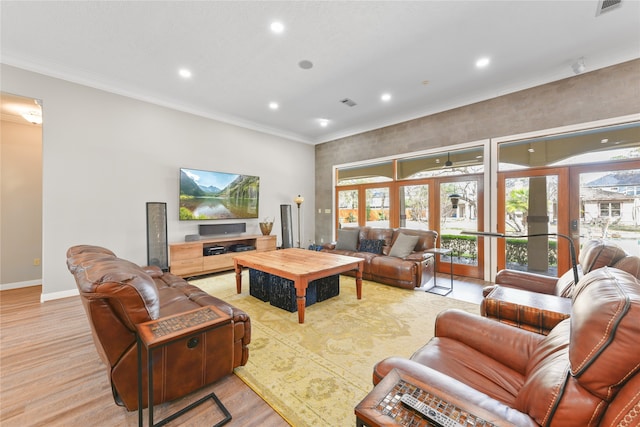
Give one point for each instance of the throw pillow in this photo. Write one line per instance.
(403, 246)
(347, 240)
(371, 245)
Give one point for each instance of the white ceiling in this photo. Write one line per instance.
(360, 49)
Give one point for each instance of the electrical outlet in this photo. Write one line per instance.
(36, 261)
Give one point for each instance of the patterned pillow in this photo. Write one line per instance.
(371, 245)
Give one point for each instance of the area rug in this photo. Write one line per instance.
(314, 374)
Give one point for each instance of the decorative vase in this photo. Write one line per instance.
(266, 227)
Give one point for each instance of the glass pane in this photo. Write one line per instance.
(440, 164)
(531, 207)
(610, 208)
(414, 207)
(458, 212)
(377, 172)
(589, 146)
(377, 204)
(348, 208)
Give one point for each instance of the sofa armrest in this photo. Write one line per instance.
(532, 311)
(524, 280)
(503, 343)
(329, 246)
(451, 391)
(153, 270)
(417, 256)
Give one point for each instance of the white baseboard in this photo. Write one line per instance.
(57, 295)
(43, 297)
(18, 285)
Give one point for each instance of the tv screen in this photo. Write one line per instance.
(217, 195)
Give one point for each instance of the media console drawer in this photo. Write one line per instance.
(188, 258)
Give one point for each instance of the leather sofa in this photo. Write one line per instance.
(409, 272)
(584, 373)
(594, 254)
(118, 294)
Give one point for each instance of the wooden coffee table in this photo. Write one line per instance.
(301, 266)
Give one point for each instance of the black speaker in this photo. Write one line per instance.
(287, 230)
(157, 251)
(213, 229)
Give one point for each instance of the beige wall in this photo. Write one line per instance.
(20, 203)
(105, 155)
(602, 94)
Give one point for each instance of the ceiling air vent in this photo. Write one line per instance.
(349, 102)
(607, 5)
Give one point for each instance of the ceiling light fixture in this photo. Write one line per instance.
(274, 105)
(184, 73)
(482, 62)
(323, 122)
(33, 117)
(578, 67)
(305, 64)
(277, 27)
(386, 97)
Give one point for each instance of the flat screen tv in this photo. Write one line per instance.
(217, 195)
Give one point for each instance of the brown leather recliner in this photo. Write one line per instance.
(594, 254)
(118, 294)
(584, 373)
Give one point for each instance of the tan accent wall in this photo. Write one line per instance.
(602, 94)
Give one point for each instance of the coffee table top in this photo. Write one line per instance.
(297, 262)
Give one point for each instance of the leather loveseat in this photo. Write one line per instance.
(413, 270)
(594, 254)
(584, 373)
(118, 294)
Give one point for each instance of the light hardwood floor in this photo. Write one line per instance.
(51, 375)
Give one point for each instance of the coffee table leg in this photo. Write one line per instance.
(359, 280)
(238, 276)
(301, 299)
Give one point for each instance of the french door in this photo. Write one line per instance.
(581, 202)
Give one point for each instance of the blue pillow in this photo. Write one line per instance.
(371, 245)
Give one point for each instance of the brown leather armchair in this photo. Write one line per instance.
(584, 373)
(118, 294)
(594, 254)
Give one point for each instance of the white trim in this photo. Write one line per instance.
(18, 285)
(569, 128)
(58, 295)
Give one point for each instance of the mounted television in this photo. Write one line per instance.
(217, 195)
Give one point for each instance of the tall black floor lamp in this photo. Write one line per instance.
(298, 200)
(572, 250)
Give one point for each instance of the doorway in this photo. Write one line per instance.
(20, 192)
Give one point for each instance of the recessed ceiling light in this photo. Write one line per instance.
(273, 105)
(305, 64)
(482, 62)
(184, 73)
(323, 122)
(386, 97)
(277, 27)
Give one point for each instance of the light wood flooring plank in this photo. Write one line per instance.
(51, 374)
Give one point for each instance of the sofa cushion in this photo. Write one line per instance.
(347, 240)
(371, 245)
(403, 246)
